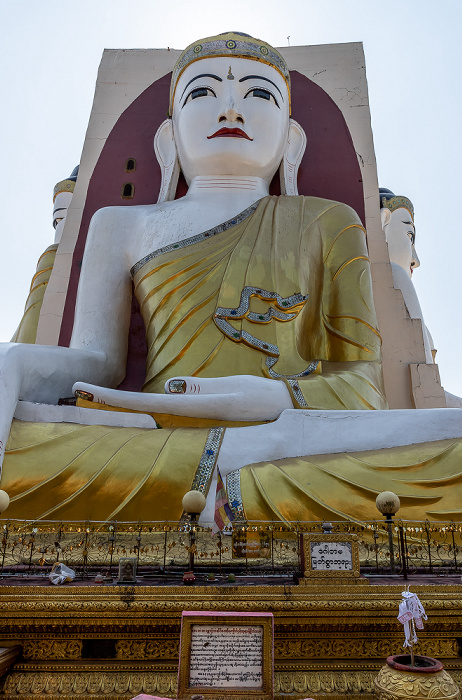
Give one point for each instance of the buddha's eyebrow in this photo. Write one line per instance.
(202, 75)
(260, 77)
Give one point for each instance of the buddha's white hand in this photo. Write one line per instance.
(239, 398)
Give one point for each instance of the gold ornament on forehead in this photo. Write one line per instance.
(229, 44)
(398, 202)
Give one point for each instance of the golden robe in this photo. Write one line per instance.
(281, 291)
(26, 332)
(282, 286)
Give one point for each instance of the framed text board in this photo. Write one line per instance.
(330, 556)
(226, 655)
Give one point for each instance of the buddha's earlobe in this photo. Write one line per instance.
(292, 158)
(166, 153)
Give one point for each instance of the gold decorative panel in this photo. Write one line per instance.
(330, 642)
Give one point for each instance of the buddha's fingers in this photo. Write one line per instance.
(261, 398)
(214, 385)
(258, 388)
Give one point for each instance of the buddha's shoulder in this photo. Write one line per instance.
(131, 213)
(320, 219)
(317, 209)
(133, 222)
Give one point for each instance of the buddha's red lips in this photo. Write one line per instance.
(230, 133)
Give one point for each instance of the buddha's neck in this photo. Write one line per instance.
(220, 189)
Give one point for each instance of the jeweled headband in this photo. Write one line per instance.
(63, 186)
(398, 202)
(232, 45)
(67, 185)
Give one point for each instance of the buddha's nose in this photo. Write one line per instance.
(230, 114)
(415, 262)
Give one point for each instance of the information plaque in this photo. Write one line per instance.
(226, 655)
(251, 545)
(330, 557)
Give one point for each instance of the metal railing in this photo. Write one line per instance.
(255, 548)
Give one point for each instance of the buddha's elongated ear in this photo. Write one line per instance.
(293, 155)
(385, 216)
(165, 148)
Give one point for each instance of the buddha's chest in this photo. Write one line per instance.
(162, 227)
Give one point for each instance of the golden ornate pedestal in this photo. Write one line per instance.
(112, 643)
(397, 681)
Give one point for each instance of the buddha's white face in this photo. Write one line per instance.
(232, 127)
(60, 207)
(400, 234)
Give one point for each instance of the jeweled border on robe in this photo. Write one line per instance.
(203, 475)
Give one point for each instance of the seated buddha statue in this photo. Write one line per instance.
(397, 218)
(263, 347)
(62, 196)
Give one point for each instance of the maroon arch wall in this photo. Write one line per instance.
(329, 169)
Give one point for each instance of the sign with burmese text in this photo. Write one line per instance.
(251, 545)
(226, 655)
(330, 556)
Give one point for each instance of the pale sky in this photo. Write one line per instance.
(50, 53)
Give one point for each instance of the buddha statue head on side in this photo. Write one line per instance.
(397, 217)
(229, 115)
(62, 197)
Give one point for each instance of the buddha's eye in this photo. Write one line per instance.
(56, 222)
(199, 92)
(411, 236)
(262, 94)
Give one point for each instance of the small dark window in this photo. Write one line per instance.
(99, 649)
(128, 190)
(130, 165)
